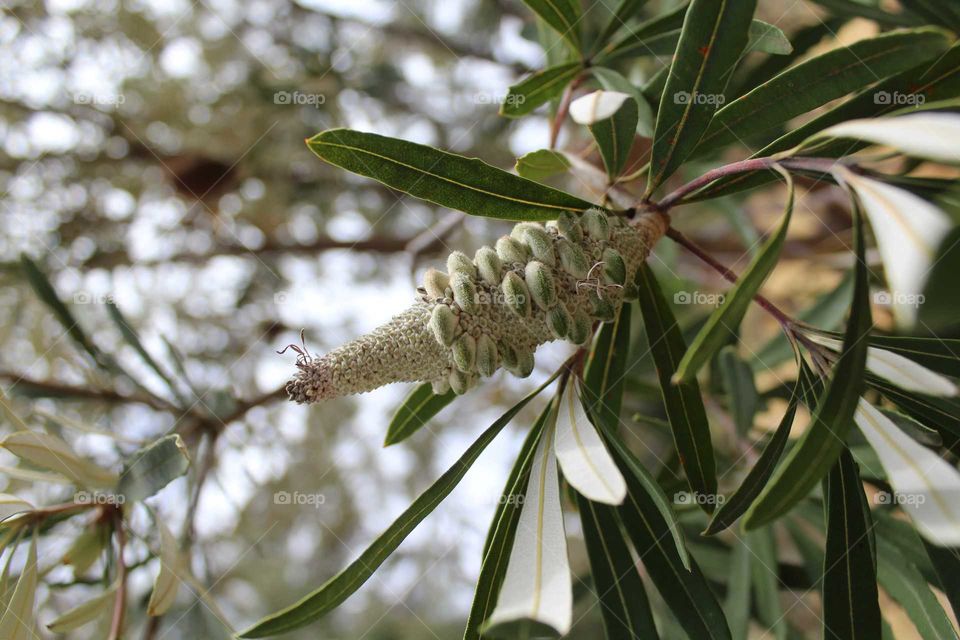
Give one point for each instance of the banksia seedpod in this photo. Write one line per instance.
(494, 313)
(464, 352)
(487, 356)
(464, 291)
(581, 327)
(614, 269)
(569, 227)
(511, 250)
(540, 283)
(631, 291)
(515, 294)
(443, 323)
(489, 265)
(458, 262)
(596, 223)
(459, 382)
(573, 259)
(541, 244)
(435, 282)
(558, 319)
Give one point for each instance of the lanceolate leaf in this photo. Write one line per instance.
(537, 89)
(152, 468)
(929, 487)
(18, 620)
(172, 572)
(85, 612)
(684, 406)
(52, 453)
(416, 410)
(447, 179)
(536, 597)
(855, 9)
(941, 413)
(715, 33)
(759, 475)
(614, 137)
(130, 335)
(823, 441)
(767, 38)
(766, 581)
(340, 587)
(562, 15)
(924, 135)
(613, 81)
(906, 586)
(943, 12)
(637, 40)
(685, 590)
(823, 78)
(503, 526)
(850, 601)
(742, 396)
(604, 376)
(624, 12)
(737, 603)
(946, 563)
(623, 600)
(726, 318)
(541, 164)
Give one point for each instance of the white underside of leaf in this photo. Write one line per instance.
(584, 460)
(909, 230)
(18, 621)
(899, 370)
(11, 505)
(926, 135)
(926, 486)
(85, 612)
(537, 585)
(596, 106)
(167, 584)
(50, 452)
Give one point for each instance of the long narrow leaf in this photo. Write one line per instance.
(447, 179)
(906, 586)
(562, 15)
(416, 410)
(537, 89)
(604, 374)
(715, 33)
(320, 602)
(684, 406)
(823, 441)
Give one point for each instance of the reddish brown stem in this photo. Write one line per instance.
(562, 109)
(119, 603)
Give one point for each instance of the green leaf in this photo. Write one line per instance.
(759, 475)
(130, 335)
(45, 291)
(946, 563)
(153, 467)
(727, 317)
(446, 179)
(562, 15)
(801, 41)
(542, 164)
(323, 600)
(614, 137)
(850, 605)
(904, 583)
(50, 452)
(767, 38)
(826, 313)
(737, 379)
(737, 603)
(538, 89)
(824, 78)
(685, 590)
(624, 605)
(823, 441)
(415, 411)
(613, 81)
(942, 12)
(941, 413)
(641, 40)
(653, 493)
(938, 314)
(84, 612)
(624, 12)
(684, 406)
(603, 379)
(18, 620)
(766, 581)
(503, 526)
(715, 33)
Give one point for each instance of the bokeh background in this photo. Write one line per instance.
(152, 155)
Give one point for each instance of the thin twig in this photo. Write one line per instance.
(119, 604)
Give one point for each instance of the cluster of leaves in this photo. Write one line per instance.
(703, 100)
